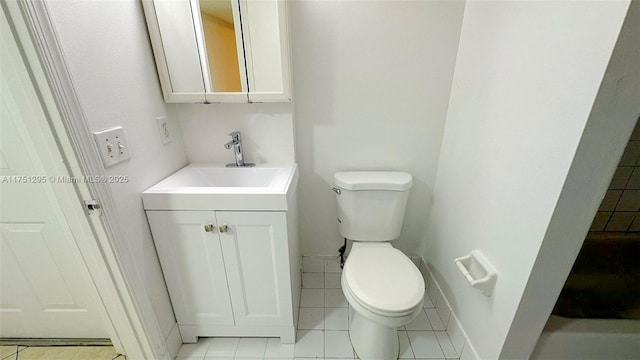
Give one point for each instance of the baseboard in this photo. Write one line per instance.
(450, 322)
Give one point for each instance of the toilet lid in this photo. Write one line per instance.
(384, 279)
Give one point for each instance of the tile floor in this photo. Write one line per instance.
(14, 352)
(323, 326)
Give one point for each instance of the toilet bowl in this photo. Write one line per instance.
(386, 291)
(382, 285)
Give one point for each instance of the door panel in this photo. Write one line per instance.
(27, 244)
(45, 288)
(255, 255)
(193, 267)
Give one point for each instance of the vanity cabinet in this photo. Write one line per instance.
(228, 272)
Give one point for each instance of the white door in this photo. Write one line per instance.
(193, 267)
(256, 257)
(45, 287)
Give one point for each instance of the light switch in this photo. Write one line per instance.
(112, 145)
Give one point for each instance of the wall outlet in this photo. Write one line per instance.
(112, 145)
(165, 131)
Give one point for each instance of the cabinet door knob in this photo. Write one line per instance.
(209, 228)
(223, 228)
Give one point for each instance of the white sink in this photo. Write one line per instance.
(204, 186)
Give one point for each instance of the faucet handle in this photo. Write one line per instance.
(235, 135)
(235, 140)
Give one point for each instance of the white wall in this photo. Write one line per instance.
(109, 56)
(267, 131)
(526, 76)
(371, 87)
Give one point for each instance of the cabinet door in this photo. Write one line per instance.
(256, 257)
(192, 264)
(176, 50)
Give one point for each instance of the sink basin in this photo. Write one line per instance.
(220, 178)
(206, 176)
(201, 186)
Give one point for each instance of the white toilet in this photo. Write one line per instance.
(383, 286)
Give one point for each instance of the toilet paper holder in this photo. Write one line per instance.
(478, 271)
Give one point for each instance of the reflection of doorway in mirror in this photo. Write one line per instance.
(220, 40)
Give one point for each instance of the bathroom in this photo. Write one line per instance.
(436, 86)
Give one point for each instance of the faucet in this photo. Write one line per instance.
(236, 142)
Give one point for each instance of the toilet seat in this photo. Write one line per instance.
(383, 280)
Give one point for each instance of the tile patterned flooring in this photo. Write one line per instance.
(14, 352)
(323, 326)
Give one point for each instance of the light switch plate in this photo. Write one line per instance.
(112, 145)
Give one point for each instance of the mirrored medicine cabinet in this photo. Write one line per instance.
(220, 51)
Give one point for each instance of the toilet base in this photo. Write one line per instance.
(373, 341)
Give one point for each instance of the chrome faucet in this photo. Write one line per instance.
(236, 143)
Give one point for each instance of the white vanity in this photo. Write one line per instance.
(227, 240)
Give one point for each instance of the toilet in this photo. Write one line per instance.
(382, 285)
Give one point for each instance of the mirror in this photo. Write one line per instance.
(210, 51)
(224, 49)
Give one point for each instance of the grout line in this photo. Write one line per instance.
(606, 223)
(440, 345)
(410, 345)
(12, 354)
(632, 220)
(450, 342)
(18, 350)
(324, 341)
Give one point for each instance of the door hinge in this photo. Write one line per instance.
(92, 207)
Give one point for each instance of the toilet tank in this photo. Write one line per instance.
(371, 204)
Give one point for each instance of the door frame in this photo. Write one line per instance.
(130, 319)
